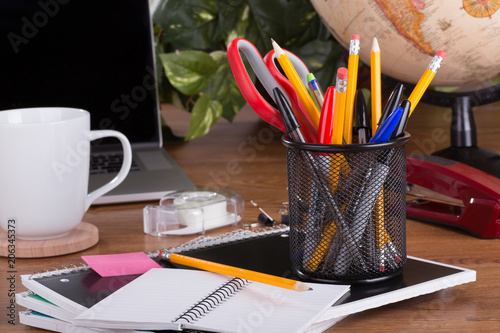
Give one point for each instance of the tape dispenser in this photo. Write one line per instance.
(193, 212)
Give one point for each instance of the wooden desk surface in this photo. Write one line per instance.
(247, 157)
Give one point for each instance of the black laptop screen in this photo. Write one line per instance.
(91, 54)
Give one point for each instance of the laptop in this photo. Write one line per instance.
(96, 55)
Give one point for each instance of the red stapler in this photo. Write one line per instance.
(454, 194)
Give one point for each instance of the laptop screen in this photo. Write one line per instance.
(91, 54)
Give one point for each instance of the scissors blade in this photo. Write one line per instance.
(308, 128)
(247, 87)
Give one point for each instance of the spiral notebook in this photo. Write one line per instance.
(77, 287)
(34, 302)
(45, 322)
(178, 299)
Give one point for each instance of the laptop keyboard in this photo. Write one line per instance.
(108, 163)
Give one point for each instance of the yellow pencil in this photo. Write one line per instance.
(352, 79)
(297, 84)
(322, 247)
(339, 110)
(426, 79)
(376, 85)
(339, 165)
(234, 271)
(381, 234)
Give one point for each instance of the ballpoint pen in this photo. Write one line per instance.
(293, 129)
(314, 255)
(399, 131)
(363, 121)
(352, 79)
(376, 85)
(292, 126)
(393, 127)
(385, 130)
(361, 206)
(426, 79)
(386, 251)
(392, 103)
(315, 89)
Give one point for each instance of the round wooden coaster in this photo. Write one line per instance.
(82, 237)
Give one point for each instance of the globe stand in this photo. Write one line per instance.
(463, 136)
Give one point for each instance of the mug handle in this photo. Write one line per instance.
(124, 170)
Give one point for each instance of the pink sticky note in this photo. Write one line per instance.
(120, 264)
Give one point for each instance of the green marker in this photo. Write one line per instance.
(315, 91)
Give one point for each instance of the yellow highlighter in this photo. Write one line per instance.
(352, 79)
(297, 84)
(426, 79)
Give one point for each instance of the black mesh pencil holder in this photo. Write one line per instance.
(347, 210)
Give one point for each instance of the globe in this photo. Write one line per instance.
(411, 32)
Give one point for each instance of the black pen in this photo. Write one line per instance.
(392, 103)
(292, 127)
(362, 120)
(399, 131)
(360, 206)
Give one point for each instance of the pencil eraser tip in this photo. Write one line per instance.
(441, 54)
(342, 73)
(356, 37)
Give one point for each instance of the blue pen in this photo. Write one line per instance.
(315, 90)
(385, 130)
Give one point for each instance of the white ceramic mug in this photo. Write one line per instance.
(44, 170)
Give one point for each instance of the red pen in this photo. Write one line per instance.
(325, 128)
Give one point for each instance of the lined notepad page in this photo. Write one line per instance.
(158, 297)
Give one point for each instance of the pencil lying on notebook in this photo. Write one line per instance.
(234, 271)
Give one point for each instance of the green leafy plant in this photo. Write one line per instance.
(192, 36)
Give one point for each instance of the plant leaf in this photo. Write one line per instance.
(236, 20)
(188, 71)
(188, 24)
(223, 88)
(203, 116)
(284, 21)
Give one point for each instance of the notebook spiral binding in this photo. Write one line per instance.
(60, 271)
(196, 243)
(213, 300)
(233, 236)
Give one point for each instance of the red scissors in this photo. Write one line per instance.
(270, 77)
